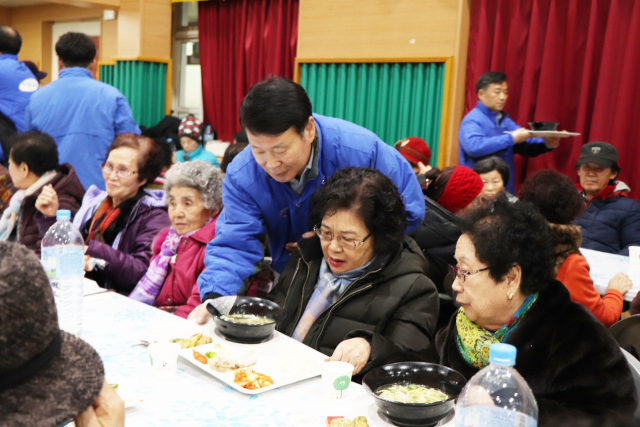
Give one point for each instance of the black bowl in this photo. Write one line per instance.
(249, 334)
(544, 125)
(427, 374)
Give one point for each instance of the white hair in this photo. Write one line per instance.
(202, 176)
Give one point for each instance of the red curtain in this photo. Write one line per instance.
(241, 43)
(575, 62)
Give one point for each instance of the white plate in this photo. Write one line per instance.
(553, 133)
(269, 354)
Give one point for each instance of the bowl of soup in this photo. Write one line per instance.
(250, 320)
(414, 393)
(543, 126)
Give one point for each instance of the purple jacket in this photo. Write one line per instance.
(128, 258)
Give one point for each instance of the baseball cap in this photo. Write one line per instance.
(600, 153)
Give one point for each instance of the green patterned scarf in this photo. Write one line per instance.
(474, 341)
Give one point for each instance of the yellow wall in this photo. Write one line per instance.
(5, 16)
(398, 29)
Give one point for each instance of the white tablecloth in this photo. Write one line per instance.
(603, 266)
(113, 324)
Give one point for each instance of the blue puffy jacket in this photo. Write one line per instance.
(255, 204)
(481, 136)
(610, 222)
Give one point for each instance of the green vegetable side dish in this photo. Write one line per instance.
(411, 393)
(114, 386)
(210, 354)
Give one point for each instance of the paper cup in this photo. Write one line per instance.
(634, 255)
(336, 377)
(163, 357)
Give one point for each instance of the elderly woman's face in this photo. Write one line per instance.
(492, 184)
(186, 211)
(485, 301)
(120, 173)
(188, 144)
(346, 224)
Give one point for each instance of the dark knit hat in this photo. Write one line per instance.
(414, 149)
(190, 126)
(463, 187)
(46, 376)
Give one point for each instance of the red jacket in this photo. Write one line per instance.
(574, 274)
(180, 286)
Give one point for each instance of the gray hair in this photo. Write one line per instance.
(202, 176)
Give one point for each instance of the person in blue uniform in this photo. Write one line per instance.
(488, 131)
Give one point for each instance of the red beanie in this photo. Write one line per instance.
(415, 150)
(463, 187)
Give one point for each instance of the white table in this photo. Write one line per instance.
(113, 324)
(603, 266)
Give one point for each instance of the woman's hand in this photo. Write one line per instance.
(620, 282)
(200, 313)
(355, 351)
(47, 201)
(106, 411)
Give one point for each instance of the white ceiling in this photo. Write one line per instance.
(15, 3)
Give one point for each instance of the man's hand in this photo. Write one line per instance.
(200, 313)
(47, 201)
(294, 245)
(620, 282)
(520, 135)
(552, 142)
(355, 351)
(106, 411)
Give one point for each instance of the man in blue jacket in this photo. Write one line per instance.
(82, 115)
(267, 187)
(488, 131)
(17, 84)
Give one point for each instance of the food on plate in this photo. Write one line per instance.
(410, 393)
(247, 319)
(343, 422)
(199, 357)
(251, 380)
(193, 341)
(225, 361)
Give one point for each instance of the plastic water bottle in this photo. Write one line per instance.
(208, 134)
(497, 396)
(63, 260)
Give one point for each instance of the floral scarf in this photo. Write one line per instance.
(149, 286)
(474, 341)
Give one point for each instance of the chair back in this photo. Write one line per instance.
(627, 332)
(634, 366)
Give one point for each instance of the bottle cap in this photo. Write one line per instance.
(502, 354)
(63, 214)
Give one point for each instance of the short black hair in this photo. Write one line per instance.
(487, 79)
(375, 200)
(241, 136)
(230, 153)
(37, 149)
(505, 234)
(555, 196)
(273, 106)
(76, 50)
(10, 40)
(493, 163)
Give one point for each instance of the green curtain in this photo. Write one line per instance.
(143, 84)
(394, 100)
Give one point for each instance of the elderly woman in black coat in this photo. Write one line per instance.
(357, 291)
(507, 294)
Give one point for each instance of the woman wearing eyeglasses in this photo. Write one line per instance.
(119, 224)
(357, 291)
(507, 294)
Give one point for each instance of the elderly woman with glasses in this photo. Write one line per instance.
(119, 224)
(357, 290)
(507, 295)
(194, 198)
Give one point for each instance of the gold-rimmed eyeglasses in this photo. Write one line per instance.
(121, 171)
(345, 242)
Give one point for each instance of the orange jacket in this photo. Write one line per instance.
(574, 274)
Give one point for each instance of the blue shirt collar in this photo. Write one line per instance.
(196, 152)
(485, 110)
(8, 56)
(75, 72)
